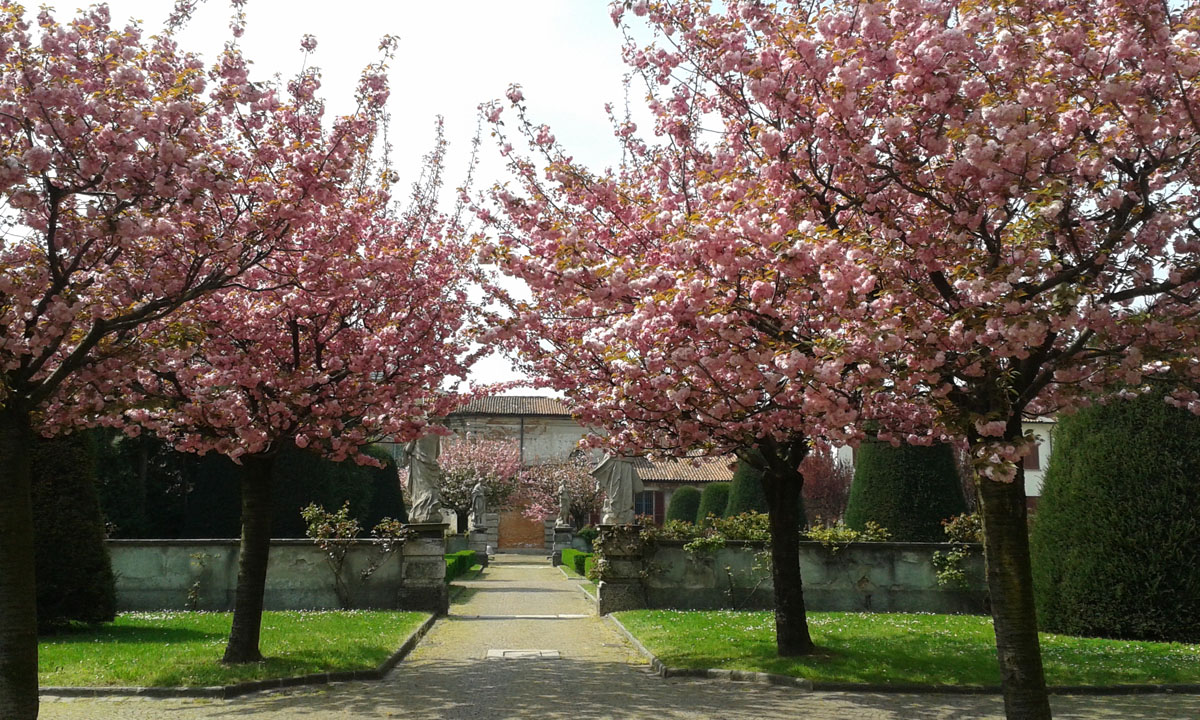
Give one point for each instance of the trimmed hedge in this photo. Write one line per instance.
(908, 489)
(459, 564)
(1116, 538)
(74, 575)
(589, 566)
(685, 503)
(577, 560)
(746, 494)
(148, 490)
(713, 500)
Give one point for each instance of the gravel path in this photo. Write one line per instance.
(520, 603)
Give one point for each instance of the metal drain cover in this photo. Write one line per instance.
(509, 654)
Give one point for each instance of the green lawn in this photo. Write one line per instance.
(165, 649)
(898, 648)
(588, 586)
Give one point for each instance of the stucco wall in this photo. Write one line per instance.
(159, 574)
(543, 439)
(861, 577)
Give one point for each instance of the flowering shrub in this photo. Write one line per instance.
(464, 462)
(538, 492)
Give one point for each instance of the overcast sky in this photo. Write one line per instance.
(451, 57)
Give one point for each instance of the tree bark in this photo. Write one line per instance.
(18, 590)
(1010, 587)
(253, 556)
(782, 483)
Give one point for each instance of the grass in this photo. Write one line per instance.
(183, 649)
(588, 586)
(898, 649)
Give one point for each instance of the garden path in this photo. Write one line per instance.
(521, 603)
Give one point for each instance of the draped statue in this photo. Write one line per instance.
(425, 479)
(619, 482)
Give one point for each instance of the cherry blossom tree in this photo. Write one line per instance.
(134, 182)
(661, 310)
(538, 494)
(346, 342)
(470, 460)
(1013, 194)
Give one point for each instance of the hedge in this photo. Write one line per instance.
(908, 489)
(1116, 537)
(74, 576)
(459, 564)
(746, 494)
(577, 560)
(148, 490)
(685, 502)
(713, 500)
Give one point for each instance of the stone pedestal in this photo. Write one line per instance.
(477, 540)
(423, 578)
(620, 556)
(563, 536)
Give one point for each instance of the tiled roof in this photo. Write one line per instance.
(514, 405)
(683, 471)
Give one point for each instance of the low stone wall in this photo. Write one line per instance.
(202, 575)
(859, 577)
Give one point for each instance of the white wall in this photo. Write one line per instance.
(543, 439)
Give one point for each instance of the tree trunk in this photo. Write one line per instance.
(252, 562)
(1010, 587)
(791, 620)
(18, 591)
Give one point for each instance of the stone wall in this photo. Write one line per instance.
(860, 577)
(202, 575)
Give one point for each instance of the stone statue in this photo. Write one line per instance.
(619, 482)
(478, 506)
(564, 505)
(425, 479)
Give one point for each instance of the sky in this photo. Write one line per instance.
(566, 55)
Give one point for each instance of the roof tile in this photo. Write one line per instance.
(514, 405)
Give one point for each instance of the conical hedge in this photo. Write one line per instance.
(909, 490)
(685, 502)
(1116, 536)
(746, 493)
(713, 500)
(74, 575)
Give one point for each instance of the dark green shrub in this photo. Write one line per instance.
(685, 503)
(386, 497)
(908, 489)
(576, 559)
(142, 484)
(149, 490)
(459, 564)
(74, 574)
(588, 534)
(746, 493)
(303, 477)
(713, 500)
(1116, 540)
(589, 567)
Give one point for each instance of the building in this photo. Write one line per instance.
(546, 432)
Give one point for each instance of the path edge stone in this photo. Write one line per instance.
(231, 691)
(578, 582)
